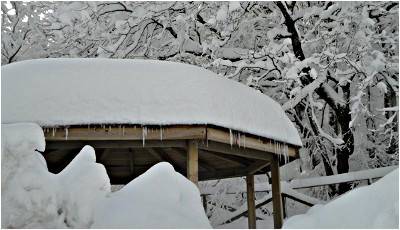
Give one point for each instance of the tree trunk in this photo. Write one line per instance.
(342, 112)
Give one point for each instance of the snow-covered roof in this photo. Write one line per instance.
(57, 92)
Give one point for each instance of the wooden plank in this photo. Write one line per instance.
(193, 161)
(235, 150)
(177, 132)
(249, 142)
(127, 133)
(114, 144)
(251, 202)
(276, 193)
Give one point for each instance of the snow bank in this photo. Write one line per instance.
(373, 206)
(28, 193)
(83, 183)
(32, 197)
(53, 92)
(159, 198)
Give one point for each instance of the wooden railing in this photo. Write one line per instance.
(288, 190)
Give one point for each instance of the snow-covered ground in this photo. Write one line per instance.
(373, 206)
(80, 195)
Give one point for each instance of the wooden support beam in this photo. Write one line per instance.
(127, 132)
(276, 193)
(161, 155)
(202, 163)
(228, 158)
(115, 144)
(235, 150)
(262, 144)
(193, 161)
(257, 166)
(251, 207)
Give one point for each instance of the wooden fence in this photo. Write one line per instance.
(288, 190)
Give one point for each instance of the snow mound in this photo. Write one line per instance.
(77, 197)
(83, 183)
(54, 92)
(32, 197)
(373, 206)
(159, 198)
(28, 192)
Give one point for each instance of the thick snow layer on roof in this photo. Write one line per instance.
(373, 206)
(54, 92)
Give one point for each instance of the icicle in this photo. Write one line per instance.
(161, 133)
(54, 132)
(239, 139)
(66, 133)
(230, 137)
(244, 141)
(144, 134)
(109, 128)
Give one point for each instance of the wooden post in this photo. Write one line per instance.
(193, 162)
(276, 193)
(251, 207)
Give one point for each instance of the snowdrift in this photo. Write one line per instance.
(80, 197)
(373, 206)
(75, 91)
(159, 198)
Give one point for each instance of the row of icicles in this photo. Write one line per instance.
(235, 138)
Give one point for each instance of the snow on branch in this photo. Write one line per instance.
(304, 92)
(336, 141)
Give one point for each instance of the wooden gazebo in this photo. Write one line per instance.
(202, 147)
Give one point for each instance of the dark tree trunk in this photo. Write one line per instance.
(342, 112)
(344, 118)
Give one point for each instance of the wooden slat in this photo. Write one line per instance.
(193, 161)
(249, 142)
(251, 207)
(126, 133)
(276, 193)
(235, 150)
